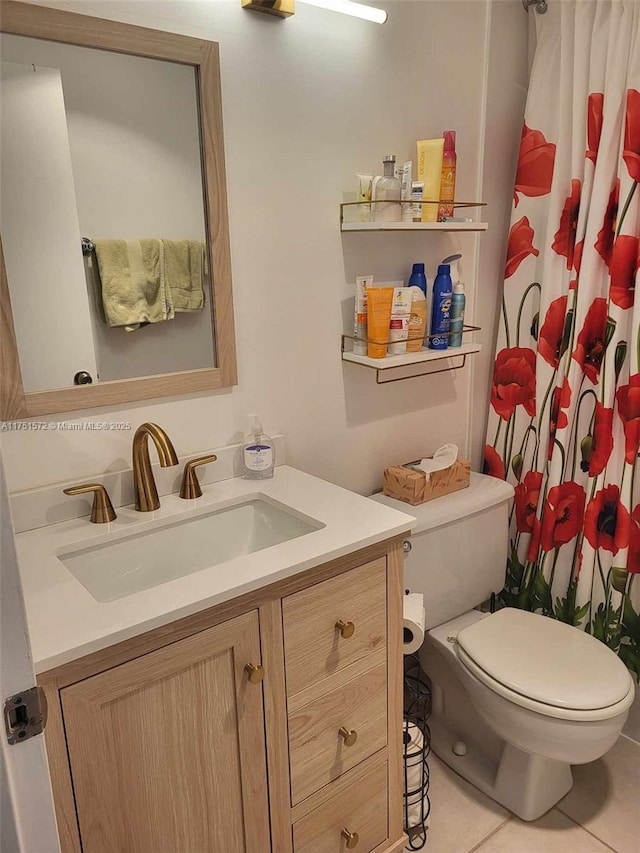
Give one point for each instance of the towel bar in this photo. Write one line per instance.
(87, 246)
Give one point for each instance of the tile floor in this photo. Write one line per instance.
(600, 814)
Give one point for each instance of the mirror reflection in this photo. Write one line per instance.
(104, 146)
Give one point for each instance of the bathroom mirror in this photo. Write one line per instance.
(111, 132)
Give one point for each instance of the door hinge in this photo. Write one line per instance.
(25, 714)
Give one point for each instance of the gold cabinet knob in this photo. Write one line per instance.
(350, 736)
(347, 629)
(255, 672)
(351, 838)
(102, 510)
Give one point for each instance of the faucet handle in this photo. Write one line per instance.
(102, 510)
(190, 487)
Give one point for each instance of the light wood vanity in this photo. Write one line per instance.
(261, 724)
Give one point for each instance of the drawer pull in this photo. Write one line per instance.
(351, 838)
(347, 629)
(255, 672)
(350, 736)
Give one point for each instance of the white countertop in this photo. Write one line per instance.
(66, 622)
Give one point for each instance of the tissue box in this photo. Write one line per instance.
(412, 487)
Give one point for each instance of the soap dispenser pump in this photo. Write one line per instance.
(258, 453)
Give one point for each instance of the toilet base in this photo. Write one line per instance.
(528, 785)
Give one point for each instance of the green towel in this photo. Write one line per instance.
(134, 285)
(183, 271)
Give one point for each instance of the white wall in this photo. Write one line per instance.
(307, 103)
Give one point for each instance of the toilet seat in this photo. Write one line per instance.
(546, 666)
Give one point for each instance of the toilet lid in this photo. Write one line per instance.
(546, 660)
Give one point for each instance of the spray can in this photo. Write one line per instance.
(441, 308)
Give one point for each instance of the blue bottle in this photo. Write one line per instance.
(418, 278)
(441, 308)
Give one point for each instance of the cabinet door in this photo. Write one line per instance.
(167, 752)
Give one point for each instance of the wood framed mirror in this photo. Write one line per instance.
(19, 398)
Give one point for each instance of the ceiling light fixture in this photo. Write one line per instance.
(348, 7)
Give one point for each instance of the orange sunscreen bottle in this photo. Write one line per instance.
(379, 301)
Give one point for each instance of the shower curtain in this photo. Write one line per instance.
(564, 422)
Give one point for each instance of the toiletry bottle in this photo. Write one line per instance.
(417, 189)
(441, 309)
(457, 301)
(404, 176)
(417, 319)
(363, 283)
(365, 186)
(430, 153)
(258, 453)
(448, 179)
(387, 189)
(400, 319)
(418, 278)
(457, 314)
(379, 304)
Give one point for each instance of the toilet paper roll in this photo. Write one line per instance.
(413, 622)
(416, 778)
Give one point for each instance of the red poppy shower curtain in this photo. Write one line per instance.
(564, 423)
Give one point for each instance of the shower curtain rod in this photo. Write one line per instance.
(541, 5)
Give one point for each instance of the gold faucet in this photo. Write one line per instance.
(144, 485)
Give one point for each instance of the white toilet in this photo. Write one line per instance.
(517, 697)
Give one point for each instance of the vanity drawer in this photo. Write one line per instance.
(314, 645)
(362, 809)
(318, 750)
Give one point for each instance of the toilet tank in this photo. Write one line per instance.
(458, 548)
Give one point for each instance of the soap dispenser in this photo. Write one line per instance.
(258, 453)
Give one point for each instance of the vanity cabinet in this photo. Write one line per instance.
(174, 741)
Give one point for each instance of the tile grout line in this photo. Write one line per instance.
(586, 829)
(491, 834)
(507, 820)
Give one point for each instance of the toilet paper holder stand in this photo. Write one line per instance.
(417, 746)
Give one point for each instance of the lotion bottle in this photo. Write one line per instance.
(258, 453)
(417, 320)
(363, 283)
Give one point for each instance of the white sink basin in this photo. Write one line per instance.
(123, 566)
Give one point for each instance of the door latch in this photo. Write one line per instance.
(25, 714)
